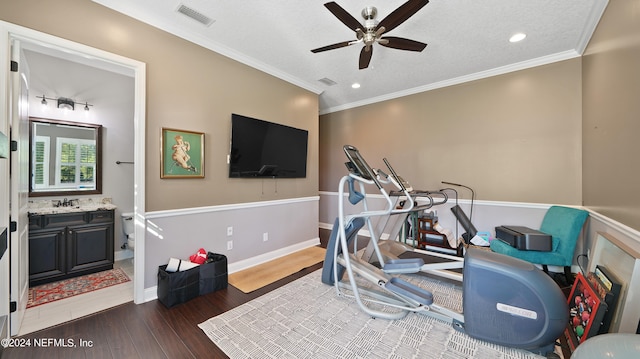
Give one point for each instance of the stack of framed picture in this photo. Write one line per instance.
(592, 304)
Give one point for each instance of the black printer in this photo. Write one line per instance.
(524, 238)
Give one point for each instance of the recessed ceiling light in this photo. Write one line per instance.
(517, 37)
(355, 85)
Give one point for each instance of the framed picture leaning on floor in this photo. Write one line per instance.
(586, 310)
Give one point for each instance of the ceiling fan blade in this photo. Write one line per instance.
(401, 14)
(401, 43)
(365, 57)
(332, 46)
(343, 16)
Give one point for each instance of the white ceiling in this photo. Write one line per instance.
(55, 71)
(467, 40)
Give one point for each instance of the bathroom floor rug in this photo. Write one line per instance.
(50, 292)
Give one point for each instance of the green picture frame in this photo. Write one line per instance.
(181, 154)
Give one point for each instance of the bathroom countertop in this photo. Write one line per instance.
(71, 209)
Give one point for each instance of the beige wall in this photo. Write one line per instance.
(611, 106)
(514, 137)
(564, 133)
(189, 88)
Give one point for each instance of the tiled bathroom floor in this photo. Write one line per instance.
(47, 315)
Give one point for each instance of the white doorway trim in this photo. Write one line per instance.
(138, 70)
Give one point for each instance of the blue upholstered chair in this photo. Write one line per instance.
(564, 225)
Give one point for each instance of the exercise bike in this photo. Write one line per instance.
(506, 301)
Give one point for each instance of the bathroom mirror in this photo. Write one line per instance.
(65, 158)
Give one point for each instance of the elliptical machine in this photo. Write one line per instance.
(506, 301)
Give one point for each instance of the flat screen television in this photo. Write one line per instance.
(265, 149)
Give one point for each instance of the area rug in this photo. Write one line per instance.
(50, 292)
(306, 319)
(264, 274)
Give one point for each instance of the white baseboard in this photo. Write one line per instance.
(248, 263)
(123, 254)
(150, 293)
(365, 233)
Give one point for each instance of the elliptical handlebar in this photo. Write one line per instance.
(360, 170)
(359, 167)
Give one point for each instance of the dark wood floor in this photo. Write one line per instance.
(148, 330)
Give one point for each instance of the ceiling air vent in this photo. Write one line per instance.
(194, 14)
(328, 82)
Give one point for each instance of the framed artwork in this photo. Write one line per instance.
(181, 154)
(586, 312)
(608, 288)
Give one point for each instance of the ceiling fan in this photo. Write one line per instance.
(372, 30)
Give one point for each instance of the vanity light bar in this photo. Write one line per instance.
(64, 102)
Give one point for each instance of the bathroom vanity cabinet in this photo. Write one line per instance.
(65, 245)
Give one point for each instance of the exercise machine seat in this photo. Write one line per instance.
(564, 224)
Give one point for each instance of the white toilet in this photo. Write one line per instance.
(128, 226)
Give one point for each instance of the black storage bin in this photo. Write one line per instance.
(177, 287)
(213, 273)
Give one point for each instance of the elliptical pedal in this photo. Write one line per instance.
(403, 266)
(406, 289)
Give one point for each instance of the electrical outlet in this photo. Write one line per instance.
(229, 245)
(229, 231)
(265, 236)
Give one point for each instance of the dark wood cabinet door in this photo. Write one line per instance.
(89, 247)
(65, 245)
(47, 255)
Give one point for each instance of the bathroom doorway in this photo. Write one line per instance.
(57, 50)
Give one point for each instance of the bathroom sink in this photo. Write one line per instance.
(84, 206)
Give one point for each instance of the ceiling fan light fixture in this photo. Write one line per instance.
(370, 32)
(355, 85)
(369, 13)
(517, 37)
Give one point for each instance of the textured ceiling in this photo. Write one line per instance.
(467, 40)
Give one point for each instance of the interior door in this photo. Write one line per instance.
(19, 188)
